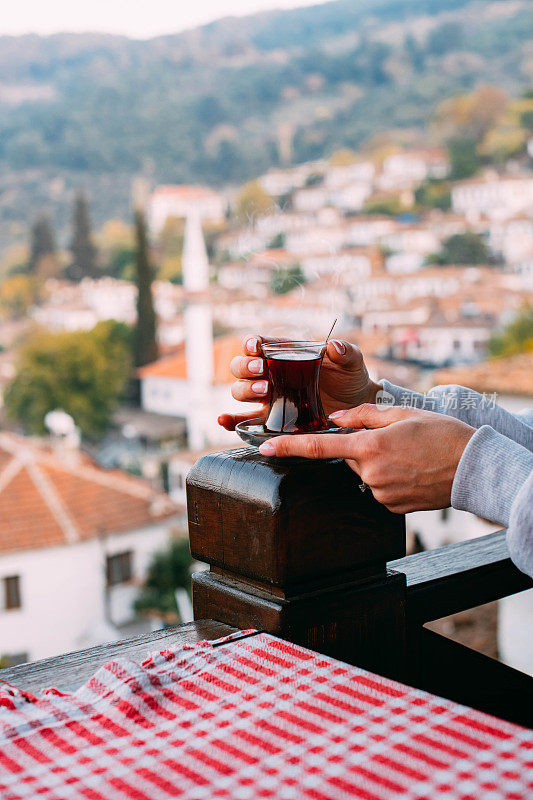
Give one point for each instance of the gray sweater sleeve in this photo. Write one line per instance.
(494, 478)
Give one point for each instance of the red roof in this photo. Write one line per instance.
(175, 366)
(49, 500)
(185, 192)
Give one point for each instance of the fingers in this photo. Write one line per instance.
(249, 391)
(309, 445)
(251, 344)
(229, 421)
(246, 367)
(372, 416)
(344, 354)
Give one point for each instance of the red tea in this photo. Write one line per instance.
(295, 405)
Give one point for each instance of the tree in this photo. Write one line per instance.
(43, 247)
(471, 115)
(433, 193)
(463, 248)
(144, 342)
(285, 280)
(116, 247)
(17, 294)
(252, 201)
(516, 338)
(84, 373)
(169, 570)
(390, 204)
(82, 247)
(277, 241)
(463, 156)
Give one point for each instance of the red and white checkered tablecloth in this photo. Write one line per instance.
(256, 717)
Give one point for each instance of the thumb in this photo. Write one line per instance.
(368, 415)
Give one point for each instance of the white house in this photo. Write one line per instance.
(460, 342)
(353, 262)
(512, 239)
(409, 167)
(350, 197)
(180, 201)
(368, 230)
(320, 239)
(496, 197)
(277, 182)
(338, 176)
(75, 544)
(311, 198)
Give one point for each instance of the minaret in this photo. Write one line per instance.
(198, 333)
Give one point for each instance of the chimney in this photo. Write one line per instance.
(64, 436)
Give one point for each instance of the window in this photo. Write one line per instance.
(444, 514)
(12, 592)
(119, 568)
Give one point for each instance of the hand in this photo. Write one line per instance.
(344, 380)
(407, 457)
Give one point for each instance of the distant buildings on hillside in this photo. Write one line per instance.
(180, 201)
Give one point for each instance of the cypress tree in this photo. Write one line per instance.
(82, 248)
(144, 342)
(42, 242)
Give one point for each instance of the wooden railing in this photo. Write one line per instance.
(297, 550)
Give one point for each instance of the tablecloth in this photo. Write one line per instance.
(252, 716)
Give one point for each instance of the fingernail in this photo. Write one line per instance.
(252, 345)
(339, 346)
(337, 414)
(267, 449)
(256, 366)
(260, 387)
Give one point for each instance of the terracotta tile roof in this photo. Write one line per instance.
(49, 500)
(175, 366)
(185, 192)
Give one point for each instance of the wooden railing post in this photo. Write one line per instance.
(296, 549)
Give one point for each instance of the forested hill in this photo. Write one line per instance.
(225, 101)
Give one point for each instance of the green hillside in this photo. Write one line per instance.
(224, 102)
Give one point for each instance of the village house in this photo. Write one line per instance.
(410, 167)
(278, 182)
(462, 341)
(75, 544)
(339, 176)
(512, 239)
(179, 201)
(498, 197)
(368, 230)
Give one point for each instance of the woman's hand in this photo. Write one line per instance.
(407, 457)
(344, 380)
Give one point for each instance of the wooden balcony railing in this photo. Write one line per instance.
(297, 550)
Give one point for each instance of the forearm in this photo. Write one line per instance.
(494, 479)
(471, 407)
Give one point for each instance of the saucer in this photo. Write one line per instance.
(252, 432)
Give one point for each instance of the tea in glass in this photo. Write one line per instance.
(293, 369)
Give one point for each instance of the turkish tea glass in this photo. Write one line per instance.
(293, 369)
